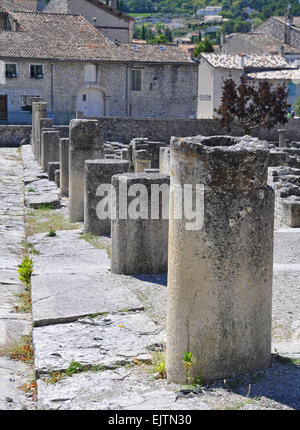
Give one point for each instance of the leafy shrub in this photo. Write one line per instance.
(25, 270)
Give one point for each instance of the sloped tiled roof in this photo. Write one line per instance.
(7, 6)
(296, 20)
(264, 42)
(274, 75)
(152, 53)
(63, 6)
(67, 37)
(55, 36)
(252, 61)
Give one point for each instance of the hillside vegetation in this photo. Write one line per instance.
(263, 9)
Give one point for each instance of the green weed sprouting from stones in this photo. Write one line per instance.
(44, 207)
(159, 365)
(25, 270)
(189, 363)
(30, 190)
(286, 360)
(52, 232)
(30, 248)
(74, 368)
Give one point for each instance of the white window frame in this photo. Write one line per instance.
(15, 64)
(25, 95)
(36, 64)
(136, 69)
(86, 73)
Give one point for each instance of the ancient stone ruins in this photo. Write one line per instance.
(105, 222)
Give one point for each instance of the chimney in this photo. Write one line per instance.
(191, 52)
(290, 20)
(288, 25)
(243, 56)
(15, 25)
(222, 40)
(95, 21)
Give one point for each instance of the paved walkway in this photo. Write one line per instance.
(12, 324)
(107, 329)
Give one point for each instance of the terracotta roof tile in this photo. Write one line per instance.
(56, 36)
(281, 75)
(72, 38)
(265, 42)
(252, 61)
(152, 53)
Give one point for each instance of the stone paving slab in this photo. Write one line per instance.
(65, 297)
(114, 390)
(12, 375)
(11, 204)
(287, 349)
(39, 190)
(108, 340)
(13, 325)
(35, 201)
(67, 253)
(276, 388)
(72, 279)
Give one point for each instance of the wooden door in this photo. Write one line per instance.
(3, 107)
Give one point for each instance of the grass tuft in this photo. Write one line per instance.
(23, 351)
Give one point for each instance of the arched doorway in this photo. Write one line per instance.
(90, 101)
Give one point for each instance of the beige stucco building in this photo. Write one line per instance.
(112, 23)
(215, 68)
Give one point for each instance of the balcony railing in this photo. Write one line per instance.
(25, 118)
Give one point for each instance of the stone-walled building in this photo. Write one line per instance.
(65, 60)
(287, 30)
(112, 23)
(258, 43)
(215, 68)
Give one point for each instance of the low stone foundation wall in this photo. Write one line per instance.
(12, 135)
(158, 129)
(162, 129)
(285, 181)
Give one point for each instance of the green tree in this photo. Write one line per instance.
(297, 107)
(160, 38)
(204, 46)
(169, 35)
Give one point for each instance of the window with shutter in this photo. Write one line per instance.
(136, 80)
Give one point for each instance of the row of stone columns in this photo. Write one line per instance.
(219, 268)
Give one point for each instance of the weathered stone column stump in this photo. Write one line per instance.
(39, 110)
(282, 133)
(86, 143)
(64, 167)
(220, 276)
(53, 166)
(139, 246)
(142, 160)
(50, 147)
(97, 173)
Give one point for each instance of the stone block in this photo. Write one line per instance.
(50, 147)
(64, 167)
(86, 143)
(52, 167)
(139, 241)
(97, 173)
(219, 305)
